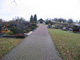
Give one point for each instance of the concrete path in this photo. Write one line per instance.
(37, 46)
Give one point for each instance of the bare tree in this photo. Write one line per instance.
(14, 2)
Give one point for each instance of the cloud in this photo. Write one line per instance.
(43, 8)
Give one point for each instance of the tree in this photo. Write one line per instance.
(14, 2)
(60, 20)
(17, 20)
(55, 19)
(22, 20)
(31, 18)
(35, 18)
(70, 21)
(64, 20)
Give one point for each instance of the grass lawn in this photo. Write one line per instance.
(67, 43)
(6, 44)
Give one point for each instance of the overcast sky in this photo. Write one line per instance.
(43, 8)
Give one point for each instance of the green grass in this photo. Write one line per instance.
(6, 44)
(67, 43)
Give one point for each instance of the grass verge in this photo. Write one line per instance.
(67, 43)
(6, 44)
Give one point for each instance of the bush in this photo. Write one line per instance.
(30, 28)
(9, 33)
(33, 27)
(12, 29)
(5, 29)
(19, 35)
(22, 36)
(27, 30)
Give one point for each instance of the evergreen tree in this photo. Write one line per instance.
(35, 18)
(31, 19)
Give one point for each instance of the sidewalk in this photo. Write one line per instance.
(37, 46)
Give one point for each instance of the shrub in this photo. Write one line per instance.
(5, 29)
(27, 30)
(33, 27)
(22, 36)
(19, 35)
(12, 29)
(9, 33)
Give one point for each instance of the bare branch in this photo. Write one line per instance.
(14, 2)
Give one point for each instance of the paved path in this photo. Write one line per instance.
(37, 46)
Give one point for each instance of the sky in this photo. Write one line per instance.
(43, 8)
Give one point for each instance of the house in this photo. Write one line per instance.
(41, 21)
